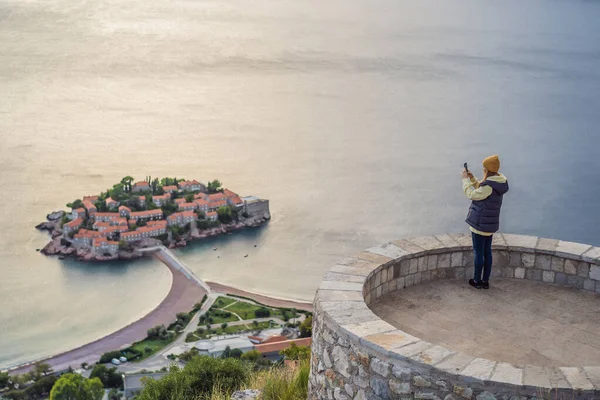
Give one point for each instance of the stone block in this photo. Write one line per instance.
(560, 279)
(507, 373)
(498, 242)
(434, 355)
(501, 258)
(384, 278)
(479, 369)
(546, 245)
(514, 259)
(576, 378)
(419, 381)
(543, 261)
(463, 239)
(592, 255)
(595, 272)
(464, 392)
(468, 258)
(496, 272)
(422, 264)
(570, 267)
(413, 266)
(340, 361)
(399, 387)
(410, 350)
(426, 396)
(589, 284)
(575, 281)
(485, 395)
(548, 276)
(336, 276)
(520, 242)
(409, 280)
(593, 373)
(380, 387)
(349, 389)
(528, 260)
(456, 259)
(520, 273)
(408, 246)
(557, 264)
(372, 257)
(378, 292)
(385, 288)
(533, 274)
(389, 340)
(364, 329)
(417, 279)
(426, 242)
(444, 260)
(425, 276)
(341, 285)
(377, 280)
(380, 367)
(388, 250)
(401, 269)
(339, 295)
(432, 262)
(448, 241)
(534, 376)
(508, 272)
(400, 283)
(401, 373)
(338, 395)
(364, 270)
(583, 269)
(571, 249)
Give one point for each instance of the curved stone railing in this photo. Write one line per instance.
(357, 355)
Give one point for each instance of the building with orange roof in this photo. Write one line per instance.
(106, 216)
(233, 199)
(100, 225)
(201, 196)
(83, 238)
(78, 213)
(170, 189)
(90, 198)
(89, 206)
(162, 199)
(148, 214)
(110, 203)
(187, 206)
(161, 223)
(216, 197)
(274, 339)
(212, 216)
(214, 205)
(102, 246)
(180, 200)
(131, 236)
(140, 186)
(201, 205)
(124, 211)
(181, 218)
(145, 232)
(118, 221)
(72, 226)
(111, 230)
(191, 186)
(276, 347)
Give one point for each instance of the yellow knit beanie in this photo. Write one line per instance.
(492, 163)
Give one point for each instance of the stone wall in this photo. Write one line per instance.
(356, 355)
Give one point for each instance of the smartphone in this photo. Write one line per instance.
(466, 167)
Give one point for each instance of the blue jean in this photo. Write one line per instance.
(482, 246)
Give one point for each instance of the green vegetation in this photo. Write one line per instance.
(200, 376)
(42, 382)
(306, 327)
(207, 378)
(149, 346)
(76, 387)
(109, 377)
(204, 333)
(214, 186)
(222, 302)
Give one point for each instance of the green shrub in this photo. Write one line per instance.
(286, 384)
(108, 356)
(197, 378)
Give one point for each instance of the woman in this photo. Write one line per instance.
(484, 215)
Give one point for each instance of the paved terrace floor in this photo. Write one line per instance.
(516, 321)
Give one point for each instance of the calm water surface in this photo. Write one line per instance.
(352, 117)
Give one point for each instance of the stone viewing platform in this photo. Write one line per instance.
(399, 321)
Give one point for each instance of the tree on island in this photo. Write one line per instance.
(214, 186)
(126, 182)
(76, 387)
(225, 214)
(109, 377)
(76, 204)
(189, 197)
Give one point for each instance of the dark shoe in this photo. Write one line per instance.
(485, 284)
(476, 285)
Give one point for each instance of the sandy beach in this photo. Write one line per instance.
(181, 297)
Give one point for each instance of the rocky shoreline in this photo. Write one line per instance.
(60, 246)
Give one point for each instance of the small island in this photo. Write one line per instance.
(117, 223)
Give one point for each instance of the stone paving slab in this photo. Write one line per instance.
(388, 250)
(520, 242)
(592, 255)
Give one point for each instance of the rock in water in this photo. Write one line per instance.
(56, 215)
(248, 394)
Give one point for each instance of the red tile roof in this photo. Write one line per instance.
(216, 197)
(100, 224)
(110, 200)
(201, 203)
(147, 213)
(80, 210)
(92, 198)
(141, 183)
(125, 208)
(111, 215)
(179, 201)
(168, 188)
(211, 214)
(274, 339)
(75, 223)
(89, 205)
(162, 223)
(278, 346)
(202, 196)
(219, 203)
(187, 205)
(87, 233)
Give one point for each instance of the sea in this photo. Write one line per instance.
(353, 117)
